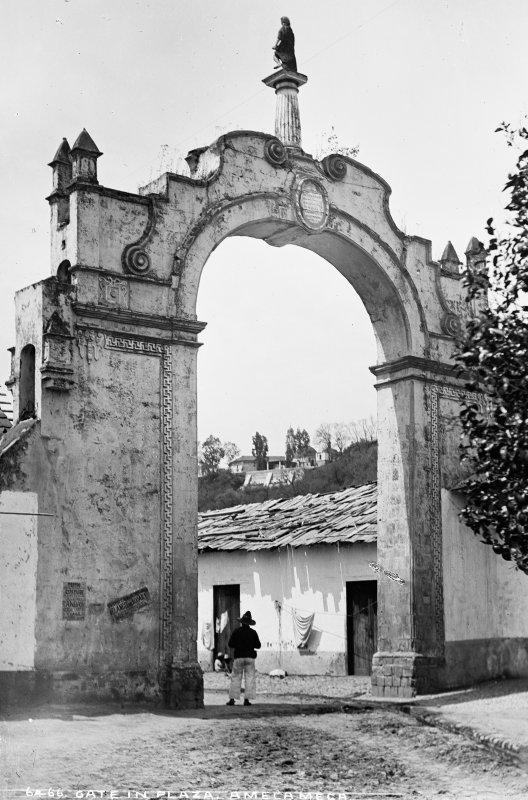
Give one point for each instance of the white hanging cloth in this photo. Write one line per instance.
(302, 628)
(207, 636)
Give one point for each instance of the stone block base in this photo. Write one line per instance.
(35, 687)
(184, 687)
(404, 674)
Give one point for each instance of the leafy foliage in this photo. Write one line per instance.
(331, 144)
(211, 453)
(260, 450)
(323, 436)
(302, 442)
(494, 349)
(220, 490)
(231, 451)
(290, 447)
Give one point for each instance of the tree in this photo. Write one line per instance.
(231, 451)
(323, 436)
(494, 350)
(341, 433)
(363, 430)
(210, 454)
(290, 447)
(260, 450)
(302, 442)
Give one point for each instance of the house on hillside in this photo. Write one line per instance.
(306, 459)
(249, 463)
(301, 566)
(243, 464)
(323, 457)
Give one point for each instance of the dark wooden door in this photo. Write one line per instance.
(226, 609)
(362, 625)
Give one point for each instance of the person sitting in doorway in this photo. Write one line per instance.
(245, 642)
(222, 663)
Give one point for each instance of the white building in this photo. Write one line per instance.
(301, 566)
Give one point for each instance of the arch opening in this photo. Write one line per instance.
(63, 272)
(27, 383)
(374, 270)
(301, 354)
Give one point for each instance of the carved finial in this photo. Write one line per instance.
(84, 155)
(450, 261)
(62, 156)
(61, 166)
(474, 246)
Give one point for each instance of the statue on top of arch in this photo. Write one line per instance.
(285, 47)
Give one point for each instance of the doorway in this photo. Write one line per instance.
(226, 612)
(362, 625)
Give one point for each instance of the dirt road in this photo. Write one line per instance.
(375, 753)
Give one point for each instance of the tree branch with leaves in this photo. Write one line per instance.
(494, 351)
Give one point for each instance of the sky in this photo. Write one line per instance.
(418, 85)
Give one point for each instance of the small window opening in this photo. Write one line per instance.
(63, 272)
(27, 383)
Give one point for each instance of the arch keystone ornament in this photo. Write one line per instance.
(118, 477)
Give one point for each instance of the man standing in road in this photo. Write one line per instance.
(245, 642)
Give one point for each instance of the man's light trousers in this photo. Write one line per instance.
(245, 667)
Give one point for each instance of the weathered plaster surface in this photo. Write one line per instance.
(104, 488)
(489, 597)
(311, 580)
(116, 399)
(18, 556)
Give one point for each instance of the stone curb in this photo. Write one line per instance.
(499, 744)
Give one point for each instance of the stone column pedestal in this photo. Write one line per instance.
(185, 686)
(287, 118)
(405, 674)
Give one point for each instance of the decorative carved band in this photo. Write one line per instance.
(275, 152)
(335, 167)
(164, 352)
(89, 343)
(436, 392)
(135, 258)
(113, 291)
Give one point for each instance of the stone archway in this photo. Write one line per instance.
(111, 459)
(252, 186)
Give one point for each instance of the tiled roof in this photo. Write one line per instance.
(340, 517)
(14, 434)
(6, 404)
(4, 422)
(6, 412)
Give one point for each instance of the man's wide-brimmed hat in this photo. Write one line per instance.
(247, 618)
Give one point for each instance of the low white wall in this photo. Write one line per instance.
(18, 557)
(309, 579)
(486, 606)
(485, 596)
